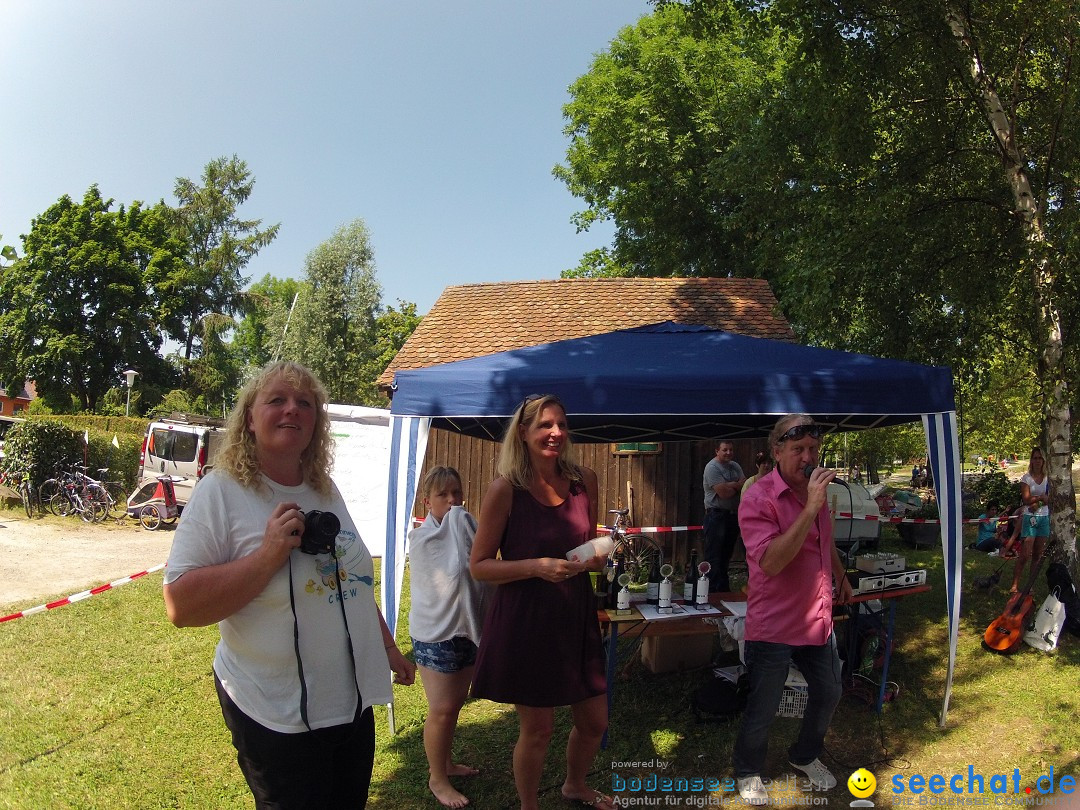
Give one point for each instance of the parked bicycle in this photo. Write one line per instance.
(82, 500)
(637, 551)
(51, 487)
(106, 495)
(74, 492)
(115, 495)
(19, 482)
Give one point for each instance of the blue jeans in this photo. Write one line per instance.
(767, 669)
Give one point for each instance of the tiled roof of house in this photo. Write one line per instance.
(18, 393)
(476, 319)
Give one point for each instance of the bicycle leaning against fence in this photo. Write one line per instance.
(19, 482)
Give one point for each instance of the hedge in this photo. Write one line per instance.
(41, 444)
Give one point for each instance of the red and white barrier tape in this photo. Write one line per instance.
(653, 529)
(845, 515)
(78, 597)
(917, 520)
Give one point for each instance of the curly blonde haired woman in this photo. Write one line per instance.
(304, 650)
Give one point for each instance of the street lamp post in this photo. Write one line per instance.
(129, 375)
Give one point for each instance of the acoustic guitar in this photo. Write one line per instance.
(1005, 633)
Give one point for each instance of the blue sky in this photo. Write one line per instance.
(437, 123)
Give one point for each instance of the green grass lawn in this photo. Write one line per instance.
(106, 705)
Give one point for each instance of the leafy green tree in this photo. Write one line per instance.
(392, 329)
(873, 451)
(998, 409)
(664, 133)
(175, 401)
(258, 336)
(902, 173)
(217, 246)
(8, 253)
(217, 372)
(76, 310)
(975, 116)
(1033, 117)
(333, 324)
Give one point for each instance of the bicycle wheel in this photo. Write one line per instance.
(92, 511)
(95, 493)
(46, 492)
(638, 552)
(27, 502)
(149, 517)
(117, 498)
(60, 504)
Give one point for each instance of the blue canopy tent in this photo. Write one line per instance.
(671, 382)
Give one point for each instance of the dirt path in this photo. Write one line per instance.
(50, 557)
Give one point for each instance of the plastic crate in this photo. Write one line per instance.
(792, 702)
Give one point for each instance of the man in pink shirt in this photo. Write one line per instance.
(793, 562)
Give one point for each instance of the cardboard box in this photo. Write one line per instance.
(677, 653)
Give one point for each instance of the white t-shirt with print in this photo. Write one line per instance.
(256, 659)
(1038, 490)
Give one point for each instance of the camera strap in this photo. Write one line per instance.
(296, 647)
(296, 641)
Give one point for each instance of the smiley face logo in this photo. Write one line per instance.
(861, 783)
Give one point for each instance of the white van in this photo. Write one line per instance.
(182, 446)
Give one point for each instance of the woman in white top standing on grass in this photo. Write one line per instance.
(304, 650)
(444, 622)
(1035, 521)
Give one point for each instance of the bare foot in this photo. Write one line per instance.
(590, 798)
(448, 796)
(457, 769)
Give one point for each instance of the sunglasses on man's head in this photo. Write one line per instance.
(801, 432)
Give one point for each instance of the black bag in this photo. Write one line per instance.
(1059, 581)
(718, 699)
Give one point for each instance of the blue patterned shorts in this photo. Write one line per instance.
(445, 656)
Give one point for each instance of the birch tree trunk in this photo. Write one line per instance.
(1052, 379)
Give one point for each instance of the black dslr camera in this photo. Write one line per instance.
(320, 532)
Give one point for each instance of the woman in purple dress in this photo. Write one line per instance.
(540, 646)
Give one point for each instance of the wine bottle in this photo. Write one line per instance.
(613, 594)
(689, 592)
(622, 605)
(663, 604)
(652, 589)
